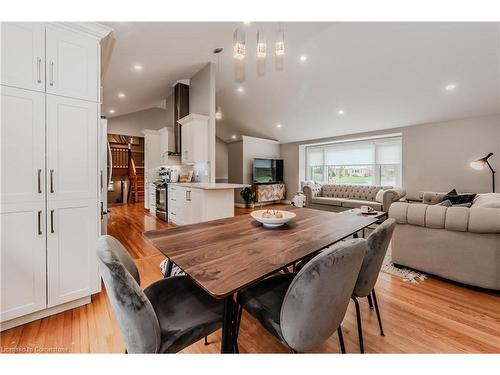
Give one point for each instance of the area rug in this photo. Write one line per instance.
(406, 274)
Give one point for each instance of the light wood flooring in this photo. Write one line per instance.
(433, 316)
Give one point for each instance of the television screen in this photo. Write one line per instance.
(267, 171)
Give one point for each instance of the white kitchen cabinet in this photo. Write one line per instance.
(72, 149)
(194, 139)
(151, 161)
(72, 64)
(22, 259)
(72, 230)
(50, 170)
(23, 55)
(23, 145)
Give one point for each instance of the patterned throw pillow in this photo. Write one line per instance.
(446, 203)
(456, 198)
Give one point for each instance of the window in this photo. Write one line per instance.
(367, 162)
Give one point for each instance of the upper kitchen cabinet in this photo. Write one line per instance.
(23, 55)
(72, 65)
(194, 139)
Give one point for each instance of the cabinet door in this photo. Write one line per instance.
(72, 64)
(22, 260)
(72, 231)
(72, 147)
(187, 144)
(199, 142)
(22, 145)
(23, 55)
(195, 206)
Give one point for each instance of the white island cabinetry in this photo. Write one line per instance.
(193, 203)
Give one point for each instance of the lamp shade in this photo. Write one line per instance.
(480, 163)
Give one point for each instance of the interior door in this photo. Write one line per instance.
(72, 64)
(23, 55)
(72, 148)
(22, 211)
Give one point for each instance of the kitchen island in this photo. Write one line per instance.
(196, 202)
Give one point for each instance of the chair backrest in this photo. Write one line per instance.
(378, 242)
(135, 314)
(317, 299)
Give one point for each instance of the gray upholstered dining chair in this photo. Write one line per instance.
(303, 310)
(167, 316)
(378, 242)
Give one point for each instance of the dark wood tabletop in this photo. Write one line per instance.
(224, 256)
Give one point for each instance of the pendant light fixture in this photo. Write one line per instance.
(279, 45)
(239, 44)
(261, 45)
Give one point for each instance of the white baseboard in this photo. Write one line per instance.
(43, 313)
(240, 205)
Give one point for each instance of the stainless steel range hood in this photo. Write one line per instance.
(181, 109)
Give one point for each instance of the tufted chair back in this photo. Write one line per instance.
(362, 192)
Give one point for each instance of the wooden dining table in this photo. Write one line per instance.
(228, 255)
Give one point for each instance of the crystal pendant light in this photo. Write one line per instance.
(218, 113)
(261, 45)
(279, 45)
(239, 44)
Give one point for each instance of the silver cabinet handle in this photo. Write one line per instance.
(39, 222)
(51, 73)
(38, 65)
(52, 221)
(51, 180)
(39, 181)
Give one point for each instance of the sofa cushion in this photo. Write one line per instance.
(489, 200)
(328, 201)
(484, 220)
(355, 203)
(435, 217)
(457, 218)
(416, 214)
(398, 211)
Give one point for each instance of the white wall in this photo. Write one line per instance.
(221, 160)
(133, 123)
(435, 156)
(202, 102)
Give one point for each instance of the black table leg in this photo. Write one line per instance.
(227, 345)
(355, 235)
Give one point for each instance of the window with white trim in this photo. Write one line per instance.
(367, 162)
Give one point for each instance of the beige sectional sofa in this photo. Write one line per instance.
(457, 243)
(345, 197)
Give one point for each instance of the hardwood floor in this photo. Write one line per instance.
(433, 316)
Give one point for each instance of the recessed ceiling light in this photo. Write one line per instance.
(233, 136)
(279, 126)
(111, 111)
(138, 67)
(450, 86)
(246, 23)
(240, 89)
(121, 95)
(303, 58)
(340, 112)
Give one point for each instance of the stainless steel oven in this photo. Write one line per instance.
(161, 201)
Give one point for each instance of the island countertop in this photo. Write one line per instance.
(208, 185)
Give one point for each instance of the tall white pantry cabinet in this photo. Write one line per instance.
(49, 213)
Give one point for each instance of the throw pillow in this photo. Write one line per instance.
(460, 199)
(463, 205)
(380, 196)
(446, 203)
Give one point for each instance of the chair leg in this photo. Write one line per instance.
(237, 321)
(370, 302)
(341, 340)
(378, 313)
(206, 341)
(360, 328)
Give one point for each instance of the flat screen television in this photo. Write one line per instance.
(267, 171)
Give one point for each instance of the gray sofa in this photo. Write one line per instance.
(345, 197)
(458, 243)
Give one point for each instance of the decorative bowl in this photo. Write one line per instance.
(272, 221)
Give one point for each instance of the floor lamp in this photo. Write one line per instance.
(479, 165)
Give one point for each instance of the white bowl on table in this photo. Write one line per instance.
(272, 222)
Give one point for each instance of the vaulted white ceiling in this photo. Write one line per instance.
(381, 75)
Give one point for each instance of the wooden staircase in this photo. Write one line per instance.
(136, 177)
